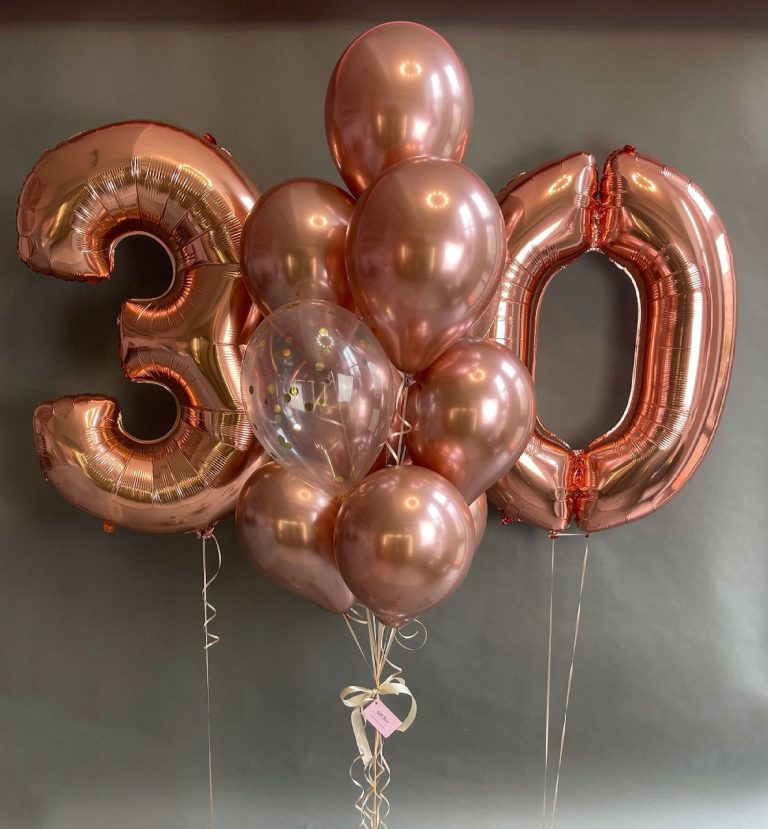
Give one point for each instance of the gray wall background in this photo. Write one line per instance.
(101, 672)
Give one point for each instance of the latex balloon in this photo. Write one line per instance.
(479, 511)
(399, 91)
(472, 413)
(425, 251)
(404, 542)
(293, 245)
(286, 529)
(318, 390)
(662, 230)
(78, 202)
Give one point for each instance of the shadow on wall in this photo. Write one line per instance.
(651, 15)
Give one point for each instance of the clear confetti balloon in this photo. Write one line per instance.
(319, 393)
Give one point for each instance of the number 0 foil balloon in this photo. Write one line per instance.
(319, 393)
(659, 227)
(79, 200)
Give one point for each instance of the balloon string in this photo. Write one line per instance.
(577, 625)
(549, 684)
(372, 803)
(209, 640)
(398, 435)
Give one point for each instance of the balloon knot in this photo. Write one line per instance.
(205, 532)
(210, 139)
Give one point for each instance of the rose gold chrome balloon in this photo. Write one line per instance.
(318, 389)
(479, 511)
(79, 200)
(425, 251)
(472, 413)
(399, 91)
(286, 529)
(293, 245)
(659, 227)
(404, 542)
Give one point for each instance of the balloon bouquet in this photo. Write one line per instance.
(352, 371)
(385, 419)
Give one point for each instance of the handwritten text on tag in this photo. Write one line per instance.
(381, 718)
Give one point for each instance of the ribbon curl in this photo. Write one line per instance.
(372, 802)
(209, 640)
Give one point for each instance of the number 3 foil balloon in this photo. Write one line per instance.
(319, 392)
(659, 227)
(78, 202)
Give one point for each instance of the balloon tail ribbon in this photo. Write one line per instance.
(544, 806)
(372, 803)
(209, 640)
(396, 440)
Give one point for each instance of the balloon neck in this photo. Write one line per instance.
(205, 532)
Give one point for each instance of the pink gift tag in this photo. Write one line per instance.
(381, 718)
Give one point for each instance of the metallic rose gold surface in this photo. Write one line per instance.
(472, 413)
(479, 512)
(79, 200)
(549, 222)
(399, 91)
(663, 231)
(319, 392)
(425, 251)
(404, 542)
(293, 245)
(286, 529)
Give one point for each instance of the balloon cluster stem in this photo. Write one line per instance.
(374, 640)
(396, 441)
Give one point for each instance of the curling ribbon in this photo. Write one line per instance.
(209, 640)
(553, 811)
(397, 436)
(357, 697)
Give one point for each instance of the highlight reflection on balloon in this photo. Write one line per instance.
(425, 251)
(285, 528)
(318, 390)
(399, 91)
(293, 245)
(405, 539)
